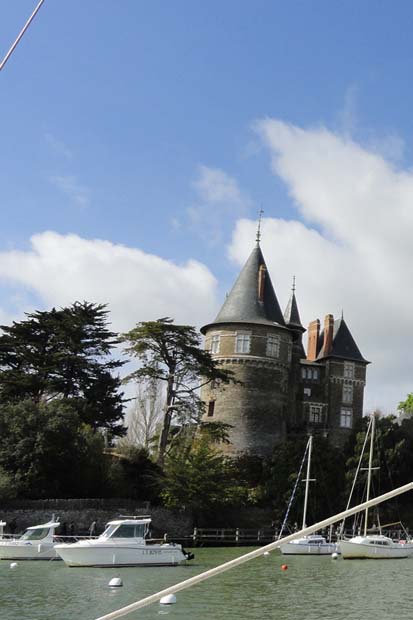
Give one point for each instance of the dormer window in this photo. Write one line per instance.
(242, 343)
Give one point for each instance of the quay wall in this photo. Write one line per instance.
(83, 512)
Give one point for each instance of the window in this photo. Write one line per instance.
(242, 343)
(35, 534)
(307, 391)
(211, 407)
(215, 343)
(348, 370)
(273, 346)
(347, 393)
(316, 414)
(309, 373)
(346, 418)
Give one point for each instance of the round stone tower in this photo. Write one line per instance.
(250, 337)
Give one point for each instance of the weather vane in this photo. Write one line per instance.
(293, 288)
(258, 238)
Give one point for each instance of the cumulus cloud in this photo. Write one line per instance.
(60, 269)
(219, 202)
(349, 246)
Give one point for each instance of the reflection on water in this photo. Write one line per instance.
(316, 588)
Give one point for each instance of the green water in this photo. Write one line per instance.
(314, 588)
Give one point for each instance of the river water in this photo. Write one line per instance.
(313, 588)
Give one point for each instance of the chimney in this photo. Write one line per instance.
(313, 333)
(328, 334)
(261, 282)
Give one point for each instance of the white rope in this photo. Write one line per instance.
(252, 554)
(25, 27)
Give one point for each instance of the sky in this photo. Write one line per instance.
(140, 140)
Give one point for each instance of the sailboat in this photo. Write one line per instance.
(313, 544)
(373, 546)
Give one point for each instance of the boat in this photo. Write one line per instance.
(36, 543)
(372, 546)
(308, 545)
(123, 543)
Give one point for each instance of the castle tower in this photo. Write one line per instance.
(339, 380)
(249, 337)
(293, 322)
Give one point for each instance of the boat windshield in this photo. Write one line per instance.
(36, 534)
(129, 530)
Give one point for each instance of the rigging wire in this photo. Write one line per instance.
(16, 42)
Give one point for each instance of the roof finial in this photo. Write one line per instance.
(258, 237)
(293, 287)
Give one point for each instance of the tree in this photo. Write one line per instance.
(406, 406)
(172, 354)
(48, 452)
(64, 354)
(146, 413)
(200, 479)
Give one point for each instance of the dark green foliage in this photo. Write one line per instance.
(393, 456)
(327, 467)
(64, 354)
(48, 452)
(133, 473)
(200, 479)
(172, 353)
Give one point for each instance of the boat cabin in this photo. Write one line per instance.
(40, 532)
(126, 528)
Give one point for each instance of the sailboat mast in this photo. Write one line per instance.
(369, 471)
(307, 481)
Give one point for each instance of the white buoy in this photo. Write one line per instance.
(169, 599)
(334, 556)
(116, 582)
(13, 565)
(266, 553)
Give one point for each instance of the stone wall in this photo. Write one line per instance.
(82, 512)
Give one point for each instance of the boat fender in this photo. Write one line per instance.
(188, 555)
(13, 565)
(334, 556)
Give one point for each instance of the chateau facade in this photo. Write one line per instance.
(281, 390)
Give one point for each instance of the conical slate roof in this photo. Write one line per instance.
(291, 314)
(344, 345)
(243, 304)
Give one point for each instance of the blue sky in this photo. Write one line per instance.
(160, 128)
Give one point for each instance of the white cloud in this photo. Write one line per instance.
(216, 186)
(61, 269)
(70, 186)
(219, 201)
(350, 246)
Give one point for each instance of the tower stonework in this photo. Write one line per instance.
(278, 389)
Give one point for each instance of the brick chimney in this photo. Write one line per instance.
(261, 282)
(328, 334)
(313, 333)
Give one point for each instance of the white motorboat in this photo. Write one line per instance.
(372, 546)
(36, 543)
(123, 543)
(314, 544)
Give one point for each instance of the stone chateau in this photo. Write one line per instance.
(284, 391)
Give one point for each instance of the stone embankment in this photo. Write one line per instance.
(77, 515)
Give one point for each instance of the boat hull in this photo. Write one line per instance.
(306, 549)
(125, 555)
(27, 551)
(359, 551)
